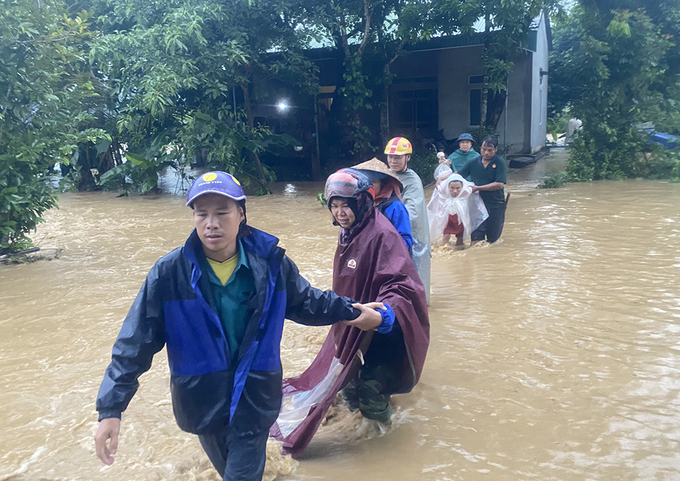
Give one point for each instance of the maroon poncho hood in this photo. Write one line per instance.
(374, 265)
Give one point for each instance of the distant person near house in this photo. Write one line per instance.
(574, 125)
(489, 174)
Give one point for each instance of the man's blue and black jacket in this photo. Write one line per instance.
(208, 392)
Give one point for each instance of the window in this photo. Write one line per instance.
(475, 107)
(325, 96)
(475, 79)
(415, 110)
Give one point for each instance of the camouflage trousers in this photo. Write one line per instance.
(370, 392)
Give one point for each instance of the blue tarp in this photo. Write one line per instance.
(667, 140)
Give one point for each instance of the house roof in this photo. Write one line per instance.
(455, 41)
(450, 41)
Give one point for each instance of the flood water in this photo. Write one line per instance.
(555, 353)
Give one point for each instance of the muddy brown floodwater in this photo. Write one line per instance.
(555, 353)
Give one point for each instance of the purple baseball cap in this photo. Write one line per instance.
(216, 183)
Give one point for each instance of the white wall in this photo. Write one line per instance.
(455, 67)
(527, 95)
(539, 97)
(516, 135)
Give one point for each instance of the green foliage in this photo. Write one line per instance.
(424, 164)
(660, 164)
(508, 25)
(554, 181)
(43, 84)
(230, 143)
(373, 34)
(559, 123)
(141, 172)
(176, 68)
(618, 67)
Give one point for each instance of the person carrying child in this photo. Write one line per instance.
(455, 209)
(489, 174)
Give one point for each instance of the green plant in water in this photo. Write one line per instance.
(142, 173)
(554, 181)
(44, 81)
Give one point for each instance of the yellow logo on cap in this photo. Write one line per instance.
(235, 180)
(210, 177)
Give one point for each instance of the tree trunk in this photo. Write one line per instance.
(485, 84)
(86, 180)
(495, 109)
(485, 102)
(385, 107)
(262, 178)
(316, 161)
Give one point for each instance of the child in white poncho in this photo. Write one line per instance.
(454, 210)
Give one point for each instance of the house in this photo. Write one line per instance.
(437, 89)
(438, 86)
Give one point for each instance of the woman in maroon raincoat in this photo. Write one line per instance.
(371, 263)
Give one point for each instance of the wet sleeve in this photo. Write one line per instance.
(398, 216)
(311, 306)
(141, 336)
(387, 320)
(413, 197)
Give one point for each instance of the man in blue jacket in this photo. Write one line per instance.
(218, 303)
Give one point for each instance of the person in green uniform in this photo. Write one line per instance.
(465, 152)
(489, 174)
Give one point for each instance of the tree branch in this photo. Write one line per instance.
(343, 35)
(368, 13)
(399, 49)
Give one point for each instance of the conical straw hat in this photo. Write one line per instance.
(376, 165)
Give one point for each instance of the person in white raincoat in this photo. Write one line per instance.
(398, 152)
(454, 210)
